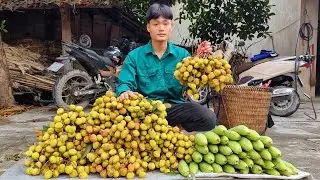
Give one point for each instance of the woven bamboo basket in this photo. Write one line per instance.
(243, 105)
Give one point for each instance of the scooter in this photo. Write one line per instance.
(280, 73)
(98, 73)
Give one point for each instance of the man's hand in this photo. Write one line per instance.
(127, 95)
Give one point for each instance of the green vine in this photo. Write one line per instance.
(215, 20)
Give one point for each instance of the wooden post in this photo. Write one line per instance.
(65, 25)
(6, 97)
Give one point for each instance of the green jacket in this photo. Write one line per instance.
(145, 73)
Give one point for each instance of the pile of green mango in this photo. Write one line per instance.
(236, 150)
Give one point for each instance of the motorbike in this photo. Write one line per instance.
(281, 74)
(97, 73)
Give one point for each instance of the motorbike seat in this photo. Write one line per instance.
(104, 59)
(247, 65)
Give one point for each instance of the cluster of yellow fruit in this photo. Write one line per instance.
(116, 139)
(198, 72)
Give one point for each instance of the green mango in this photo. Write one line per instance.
(212, 137)
(196, 156)
(202, 149)
(213, 148)
(201, 139)
(232, 135)
(253, 135)
(228, 169)
(235, 147)
(246, 144)
(225, 150)
(217, 168)
(224, 140)
(194, 168)
(257, 145)
(209, 158)
(183, 168)
(241, 129)
(233, 159)
(220, 129)
(267, 141)
(220, 159)
(205, 167)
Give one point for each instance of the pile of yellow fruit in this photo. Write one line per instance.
(116, 139)
(197, 72)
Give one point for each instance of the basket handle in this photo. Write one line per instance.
(226, 112)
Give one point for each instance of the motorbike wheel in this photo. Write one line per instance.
(66, 84)
(203, 96)
(286, 108)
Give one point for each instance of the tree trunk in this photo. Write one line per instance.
(6, 97)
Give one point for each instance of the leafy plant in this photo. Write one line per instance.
(3, 26)
(215, 20)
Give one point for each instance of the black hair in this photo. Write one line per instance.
(157, 10)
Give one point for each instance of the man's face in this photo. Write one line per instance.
(160, 29)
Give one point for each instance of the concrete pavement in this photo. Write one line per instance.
(298, 137)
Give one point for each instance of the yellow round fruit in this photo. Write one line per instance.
(79, 108)
(47, 174)
(60, 111)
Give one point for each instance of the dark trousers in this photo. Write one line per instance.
(191, 116)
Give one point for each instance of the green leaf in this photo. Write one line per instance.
(45, 128)
(4, 30)
(155, 107)
(88, 149)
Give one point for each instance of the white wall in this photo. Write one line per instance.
(180, 31)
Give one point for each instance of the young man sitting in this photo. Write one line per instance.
(149, 71)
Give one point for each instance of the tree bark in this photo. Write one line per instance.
(6, 97)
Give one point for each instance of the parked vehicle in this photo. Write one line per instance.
(97, 75)
(279, 73)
